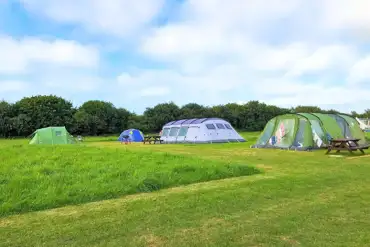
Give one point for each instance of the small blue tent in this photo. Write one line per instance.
(134, 135)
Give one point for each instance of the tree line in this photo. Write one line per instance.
(95, 117)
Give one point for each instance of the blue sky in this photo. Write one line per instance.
(136, 54)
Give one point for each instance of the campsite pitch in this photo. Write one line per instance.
(35, 178)
(300, 199)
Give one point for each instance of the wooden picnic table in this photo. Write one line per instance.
(348, 144)
(155, 139)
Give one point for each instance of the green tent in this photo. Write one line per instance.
(306, 131)
(52, 135)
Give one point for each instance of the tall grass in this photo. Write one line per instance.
(40, 177)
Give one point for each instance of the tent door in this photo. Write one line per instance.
(172, 136)
(192, 135)
(58, 137)
(223, 134)
(212, 134)
(182, 134)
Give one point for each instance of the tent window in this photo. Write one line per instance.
(266, 133)
(174, 131)
(210, 126)
(220, 126)
(165, 131)
(228, 126)
(58, 133)
(183, 131)
(354, 128)
(284, 133)
(343, 125)
(318, 134)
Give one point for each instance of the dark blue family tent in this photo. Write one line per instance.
(134, 135)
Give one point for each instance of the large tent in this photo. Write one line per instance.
(52, 135)
(134, 135)
(305, 131)
(200, 130)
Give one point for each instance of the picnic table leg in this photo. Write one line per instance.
(359, 148)
(340, 145)
(348, 145)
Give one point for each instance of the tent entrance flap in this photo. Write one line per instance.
(284, 132)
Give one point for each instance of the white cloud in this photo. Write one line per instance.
(239, 14)
(12, 86)
(72, 82)
(117, 17)
(18, 56)
(339, 97)
(222, 51)
(292, 92)
(360, 72)
(218, 47)
(155, 91)
(339, 57)
(219, 32)
(346, 14)
(218, 79)
(30, 66)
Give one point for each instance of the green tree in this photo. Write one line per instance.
(232, 114)
(120, 120)
(194, 110)
(98, 115)
(5, 116)
(160, 114)
(366, 114)
(307, 109)
(36, 112)
(137, 122)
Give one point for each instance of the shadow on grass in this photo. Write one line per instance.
(186, 174)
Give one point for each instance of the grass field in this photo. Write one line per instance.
(298, 199)
(35, 178)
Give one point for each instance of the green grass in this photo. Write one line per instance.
(41, 177)
(301, 199)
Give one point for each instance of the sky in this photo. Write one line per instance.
(139, 53)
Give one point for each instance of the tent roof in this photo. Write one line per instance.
(60, 128)
(315, 115)
(129, 130)
(53, 127)
(191, 121)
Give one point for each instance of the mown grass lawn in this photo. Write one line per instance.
(40, 177)
(301, 199)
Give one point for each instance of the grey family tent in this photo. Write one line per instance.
(200, 130)
(306, 131)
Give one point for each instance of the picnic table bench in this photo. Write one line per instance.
(347, 144)
(154, 139)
